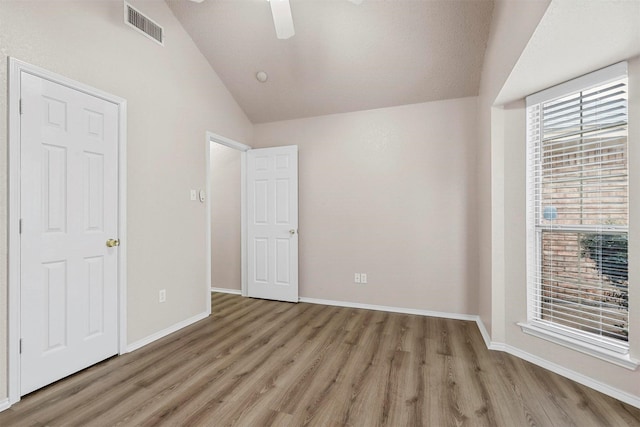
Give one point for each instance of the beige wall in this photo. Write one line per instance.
(174, 97)
(389, 193)
(611, 32)
(225, 217)
(511, 28)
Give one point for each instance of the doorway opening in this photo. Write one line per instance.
(226, 224)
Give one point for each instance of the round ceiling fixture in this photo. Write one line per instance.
(262, 77)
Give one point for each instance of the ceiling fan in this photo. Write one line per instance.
(282, 19)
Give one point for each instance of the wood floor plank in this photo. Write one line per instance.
(360, 381)
(266, 363)
(259, 384)
(210, 383)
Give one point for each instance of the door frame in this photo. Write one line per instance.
(16, 68)
(243, 148)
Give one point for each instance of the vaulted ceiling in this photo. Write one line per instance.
(344, 56)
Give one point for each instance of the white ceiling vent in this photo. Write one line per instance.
(143, 24)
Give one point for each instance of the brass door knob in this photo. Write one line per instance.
(292, 232)
(113, 242)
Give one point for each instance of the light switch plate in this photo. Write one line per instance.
(194, 196)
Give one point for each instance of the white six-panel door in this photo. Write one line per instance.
(69, 209)
(272, 223)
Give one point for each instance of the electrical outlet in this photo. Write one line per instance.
(162, 295)
(363, 277)
(356, 278)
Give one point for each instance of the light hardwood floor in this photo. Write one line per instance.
(261, 363)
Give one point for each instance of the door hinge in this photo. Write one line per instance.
(20, 345)
(20, 105)
(20, 226)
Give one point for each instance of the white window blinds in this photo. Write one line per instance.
(578, 208)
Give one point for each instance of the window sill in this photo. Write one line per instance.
(624, 360)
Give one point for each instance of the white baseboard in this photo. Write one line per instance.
(575, 376)
(227, 291)
(402, 310)
(4, 404)
(483, 331)
(585, 380)
(163, 333)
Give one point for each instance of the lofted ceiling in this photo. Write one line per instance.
(344, 56)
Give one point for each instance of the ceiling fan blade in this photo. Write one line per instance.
(282, 19)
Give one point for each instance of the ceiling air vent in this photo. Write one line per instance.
(145, 25)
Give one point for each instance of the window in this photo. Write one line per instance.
(577, 208)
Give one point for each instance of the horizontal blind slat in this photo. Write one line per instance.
(605, 106)
(591, 129)
(617, 89)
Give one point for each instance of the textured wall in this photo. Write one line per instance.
(225, 217)
(389, 193)
(511, 28)
(174, 97)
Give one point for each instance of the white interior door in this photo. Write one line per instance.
(272, 223)
(69, 209)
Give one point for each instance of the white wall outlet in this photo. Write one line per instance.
(363, 277)
(356, 278)
(193, 195)
(162, 295)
